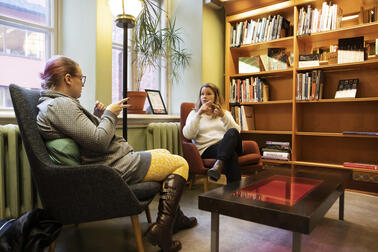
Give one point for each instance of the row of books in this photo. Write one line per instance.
(310, 85)
(347, 88)
(251, 89)
(264, 29)
(275, 59)
(276, 150)
(314, 20)
(244, 117)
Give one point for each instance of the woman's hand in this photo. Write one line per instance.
(116, 107)
(218, 111)
(206, 108)
(99, 109)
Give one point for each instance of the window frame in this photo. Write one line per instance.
(165, 83)
(52, 34)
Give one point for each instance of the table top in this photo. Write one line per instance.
(292, 201)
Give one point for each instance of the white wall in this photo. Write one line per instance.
(188, 15)
(79, 42)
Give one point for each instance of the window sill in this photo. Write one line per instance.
(133, 120)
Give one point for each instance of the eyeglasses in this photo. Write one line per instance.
(83, 79)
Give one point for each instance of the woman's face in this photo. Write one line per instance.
(207, 95)
(77, 84)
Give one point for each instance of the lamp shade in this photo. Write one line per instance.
(126, 7)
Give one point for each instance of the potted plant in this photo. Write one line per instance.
(151, 43)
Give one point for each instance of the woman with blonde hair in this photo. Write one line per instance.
(215, 133)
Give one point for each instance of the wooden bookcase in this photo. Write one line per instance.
(314, 128)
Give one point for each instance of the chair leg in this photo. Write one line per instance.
(148, 214)
(137, 232)
(205, 183)
(52, 247)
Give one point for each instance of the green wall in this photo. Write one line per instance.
(213, 46)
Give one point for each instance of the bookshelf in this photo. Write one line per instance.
(313, 127)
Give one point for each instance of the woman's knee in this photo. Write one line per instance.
(232, 132)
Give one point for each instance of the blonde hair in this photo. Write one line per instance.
(218, 100)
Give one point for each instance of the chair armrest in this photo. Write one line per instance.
(250, 147)
(192, 156)
(83, 193)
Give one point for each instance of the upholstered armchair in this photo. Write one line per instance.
(250, 162)
(81, 193)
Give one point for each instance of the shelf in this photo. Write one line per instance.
(347, 32)
(273, 161)
(328, 134)
(265, 103)
(282, 42)
(274, 73)
(268, 132)
(366, 99)
(371, 63)
(333, 166)
(282, 7)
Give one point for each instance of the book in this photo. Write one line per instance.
(350, 50)
(308, 60)
(360, 133)
(277, 59)
(347, 88)
(249, 64)
(361, 165)
(265, 92)
(276, 155)
(277, 143)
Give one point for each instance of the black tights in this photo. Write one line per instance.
(228, 149)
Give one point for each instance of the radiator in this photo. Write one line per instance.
(164, 136)
(17, 195)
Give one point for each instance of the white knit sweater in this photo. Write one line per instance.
(205, 131)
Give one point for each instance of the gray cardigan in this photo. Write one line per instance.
(61, 116)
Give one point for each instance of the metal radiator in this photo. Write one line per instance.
(164, 136)
(17, 194)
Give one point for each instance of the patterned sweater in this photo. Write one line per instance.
(61, 116)
(206, 131)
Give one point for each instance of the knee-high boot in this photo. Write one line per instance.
(182, 221)
(160, 232)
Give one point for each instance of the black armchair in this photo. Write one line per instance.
(76, 194)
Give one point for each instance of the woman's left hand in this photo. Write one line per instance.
(99, 109)
(218, 111)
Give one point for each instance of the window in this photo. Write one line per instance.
(26, 39)
(152, 79)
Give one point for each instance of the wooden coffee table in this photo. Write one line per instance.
(295, 202)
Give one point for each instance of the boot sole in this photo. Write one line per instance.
(214, 175)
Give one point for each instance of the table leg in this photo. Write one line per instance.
(214, 232)
(341, 206)
(296, 242)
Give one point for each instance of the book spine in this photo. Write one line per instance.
(360, 133)
(360, 165)
(277, 143)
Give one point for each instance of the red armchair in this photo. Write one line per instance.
(250, 162)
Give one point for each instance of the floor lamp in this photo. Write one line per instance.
(125, 12)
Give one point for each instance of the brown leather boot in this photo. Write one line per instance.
(160, 233)
(215, 172)
(183, 222)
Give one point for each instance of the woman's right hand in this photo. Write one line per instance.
(117, 107)
(206, 108)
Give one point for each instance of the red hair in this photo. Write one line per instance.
(55, 69)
